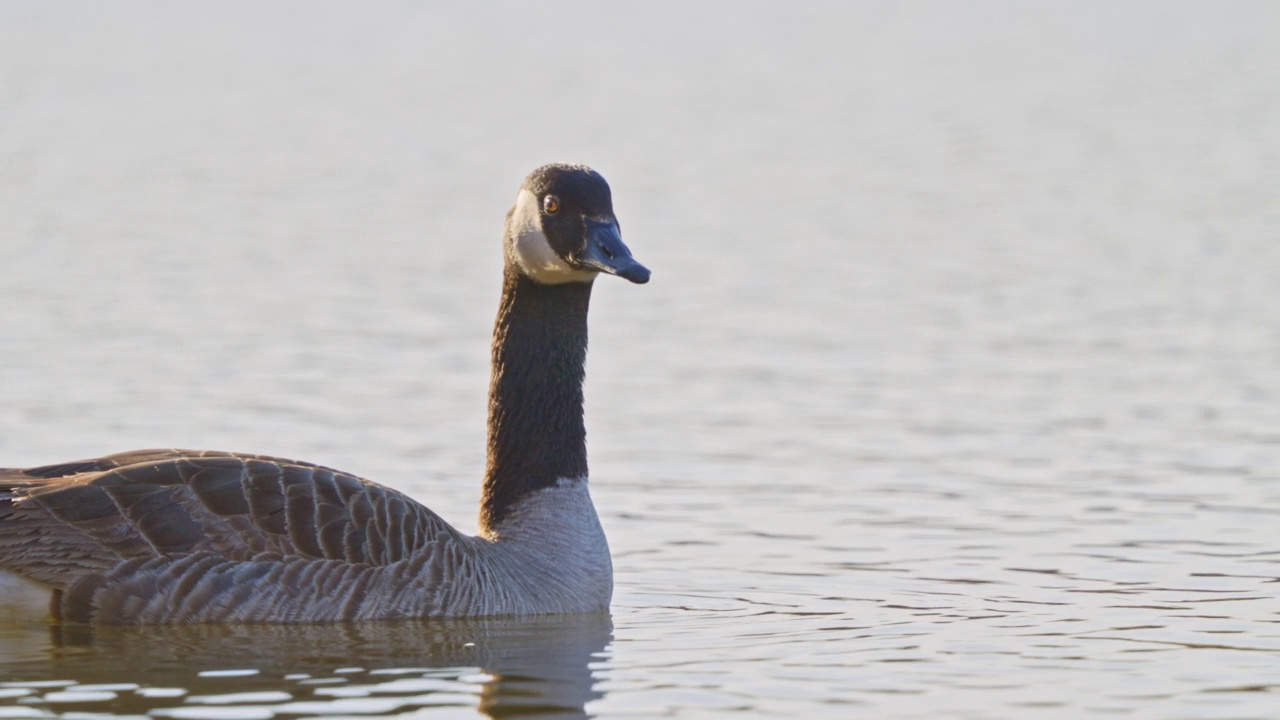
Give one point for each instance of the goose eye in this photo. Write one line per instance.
(551, 204)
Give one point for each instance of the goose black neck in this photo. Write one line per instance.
(536, 431)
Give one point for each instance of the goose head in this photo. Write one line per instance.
(562, 229)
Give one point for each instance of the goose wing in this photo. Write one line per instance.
(59, 523)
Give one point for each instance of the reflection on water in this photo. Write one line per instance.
(502, 668)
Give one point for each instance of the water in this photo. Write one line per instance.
(956, 391)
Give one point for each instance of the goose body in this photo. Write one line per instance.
(180, 536)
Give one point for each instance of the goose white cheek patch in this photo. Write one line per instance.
(530, 249)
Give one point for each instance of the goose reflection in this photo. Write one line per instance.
(504, 668)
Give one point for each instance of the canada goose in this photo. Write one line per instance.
(179, 536)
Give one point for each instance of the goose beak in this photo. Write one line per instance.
(605, 252)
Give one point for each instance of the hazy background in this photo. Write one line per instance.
(957, 384)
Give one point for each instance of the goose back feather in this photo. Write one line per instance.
(156, 535)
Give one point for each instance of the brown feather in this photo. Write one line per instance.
(187, 528)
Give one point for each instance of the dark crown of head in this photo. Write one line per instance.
(576, 185)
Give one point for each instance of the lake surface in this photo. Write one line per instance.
(956, 392)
